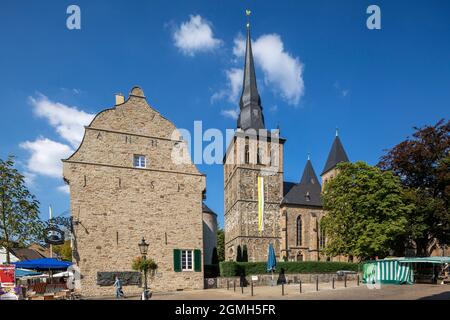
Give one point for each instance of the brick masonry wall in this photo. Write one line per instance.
(114, 205)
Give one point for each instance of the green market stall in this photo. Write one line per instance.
(397, 270)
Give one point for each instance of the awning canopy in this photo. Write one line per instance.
(20, 273)
(433, 260)
(43, 264)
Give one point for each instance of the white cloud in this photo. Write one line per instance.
(68, 121)
(282, 71)
(29, 178)
(46, 155)
(195, 36)
(234, 86)
(231, 113)
(64, 189)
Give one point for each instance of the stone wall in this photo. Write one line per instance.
(307, 249)
(114, 204)
(266, 279)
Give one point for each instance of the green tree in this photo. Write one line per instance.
(64, 251)
(244, 254)
(423, 165)
(19, 210)
(215, 257)
(221, 245)
(239, 254)
(365, 211)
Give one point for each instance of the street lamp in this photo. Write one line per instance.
(143, 248)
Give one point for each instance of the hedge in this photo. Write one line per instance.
(233, 269)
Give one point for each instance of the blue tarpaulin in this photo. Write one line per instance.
(43, 264)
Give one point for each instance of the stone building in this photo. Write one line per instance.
(209, 234)
(244, 165)
(255, 189)
(124, 185)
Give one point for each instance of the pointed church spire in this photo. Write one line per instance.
(250, 104)
(309, 175)
(337, 154)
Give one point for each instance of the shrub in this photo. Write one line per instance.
(233, 269)
(139, 264)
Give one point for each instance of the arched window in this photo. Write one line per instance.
(247, 153)
(299, 231)
(322, 238)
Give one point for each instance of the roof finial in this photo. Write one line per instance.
(247, 13)
(337, 132)
(309, 156)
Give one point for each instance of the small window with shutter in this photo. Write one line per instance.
(187, 260)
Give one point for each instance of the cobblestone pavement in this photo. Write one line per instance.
(292, 292)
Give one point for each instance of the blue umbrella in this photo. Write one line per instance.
(271, 260)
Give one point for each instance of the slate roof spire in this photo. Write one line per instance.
(251, 116)
(308, 191)
(337, 154)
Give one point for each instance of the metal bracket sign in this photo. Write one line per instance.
(54, 235)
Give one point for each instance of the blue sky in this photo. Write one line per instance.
(318, 68)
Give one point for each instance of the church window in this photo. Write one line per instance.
(322, 238)
(139, 161)
(299, 231)
(247, 154)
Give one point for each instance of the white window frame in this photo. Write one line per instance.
(185, 260)
(139, 158)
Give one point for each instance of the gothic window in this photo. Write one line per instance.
(299, 231)
(259, 155)
(299, 257)
(322, 238)
(247, 154)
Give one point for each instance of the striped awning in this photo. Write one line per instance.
(388, 271)
(433, 260)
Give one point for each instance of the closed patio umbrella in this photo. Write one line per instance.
(271, 260)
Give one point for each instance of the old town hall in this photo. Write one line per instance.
(261, 208)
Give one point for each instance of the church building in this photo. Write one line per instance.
(260, 207)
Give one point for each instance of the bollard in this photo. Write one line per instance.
(317, 283)
(357, 279)
(242, 289)
(300, 286)
(282, 289)
(228, 284)
(332, 282)
(234, 285)
(345, 280)
(251, 288)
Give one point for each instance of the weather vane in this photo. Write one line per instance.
(248, 13)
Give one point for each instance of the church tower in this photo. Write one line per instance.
(253, 176)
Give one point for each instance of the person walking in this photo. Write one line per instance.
(118, 287)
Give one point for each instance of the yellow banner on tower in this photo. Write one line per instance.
(260, 204)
